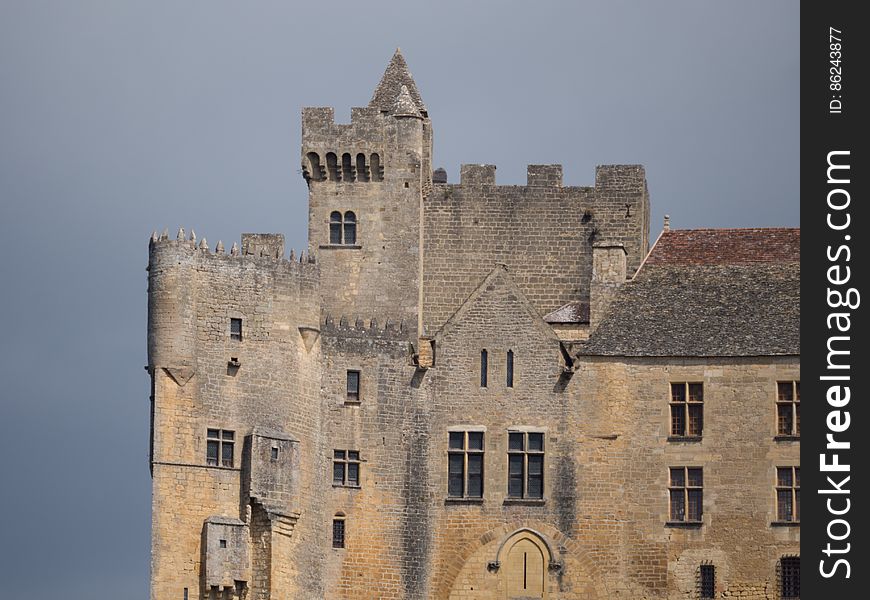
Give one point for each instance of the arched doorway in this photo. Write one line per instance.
(524, 558)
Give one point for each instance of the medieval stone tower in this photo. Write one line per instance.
(469, 390)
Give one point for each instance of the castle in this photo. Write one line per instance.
(472, 391)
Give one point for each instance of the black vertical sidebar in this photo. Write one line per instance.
(834, 339)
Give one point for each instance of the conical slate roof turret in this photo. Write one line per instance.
(390, 86)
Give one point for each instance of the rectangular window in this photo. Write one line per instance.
(236, 329)
(525, 464)
(686, 491)
(465, 464)
(220, 445)
(791, 577)
(707, 582)
(687, 409)
(788, 494)
(352, 386)
(788, 408)
(338, 533)
(345, 468)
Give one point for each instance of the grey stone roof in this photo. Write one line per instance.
(572, 312)
(678, 305)
(395, 76)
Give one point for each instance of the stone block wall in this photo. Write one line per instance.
(543, 231)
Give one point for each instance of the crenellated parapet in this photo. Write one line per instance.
(357, 327)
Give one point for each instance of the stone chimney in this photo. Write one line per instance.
(608, 273)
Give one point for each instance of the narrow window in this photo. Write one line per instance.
(220, 445)
(314, 169)
(788, 408)
(465, 464)
(791, 577)
(484, 367)
(335, 228)
(708, 581)
(352, 387)
(362, 171)
(349, 228)
(186, 594)
(687, 409)
(236, 329)
(686, 494)
(347, 168)
(788, 494)
(274, 453)
(377, 169)
(332, 167)
(345, 468)
(510, 368)
(338, 533)
(525, 465)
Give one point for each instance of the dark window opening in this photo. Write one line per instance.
(335, 228)
(465, 464)
(788, 408)
(338, 533)
(345, 468)
(686, 491)
(352, 386)
(222, 543)
(484, 367)
(377, 169)
(332, 167)
(186, 594)
(220, 444)
(315, 171)
(362, 170)
(525, 465)
(349, 228)
(687, 409)
(347, 173)
(788, 494)
(708, 581)
(791, 577)
(510, 368)
(236, 329)
(342, 229)
(274, 453)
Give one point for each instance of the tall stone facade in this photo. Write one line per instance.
(472, 391)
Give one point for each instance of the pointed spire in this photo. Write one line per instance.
(404, 106)
(154, 237)
(193, 237)
(395, 76)
(165, 234)
(292, 254)
(203, 245)
(219, 249)
(180, 236)
(234, 251)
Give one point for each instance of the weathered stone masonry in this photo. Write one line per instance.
(448, 470)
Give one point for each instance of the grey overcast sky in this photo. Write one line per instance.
(117, 118)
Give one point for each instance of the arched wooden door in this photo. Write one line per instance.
(524, 571)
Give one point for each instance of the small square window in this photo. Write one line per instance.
(274, 453)
(236, 329)
(222, 543)
(346, 468)
(220, 447)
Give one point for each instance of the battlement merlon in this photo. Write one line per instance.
(630, 179)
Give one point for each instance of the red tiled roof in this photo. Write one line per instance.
(726, 246)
